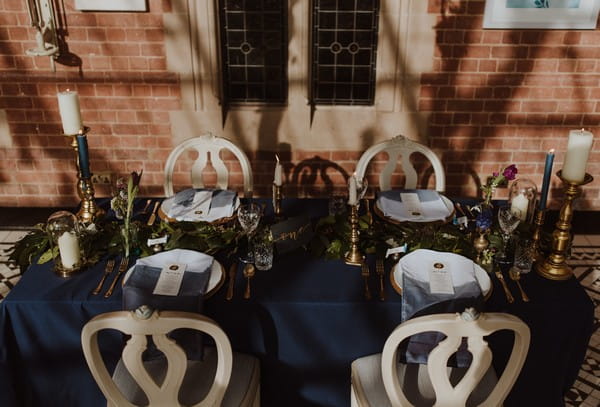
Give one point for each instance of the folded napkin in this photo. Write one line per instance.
(139, 286)
(418, 299)
(194, 205)
(432, 207)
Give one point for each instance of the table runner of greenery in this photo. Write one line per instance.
(331, 239)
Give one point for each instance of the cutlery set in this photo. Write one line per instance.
(110, 265)
(515, 276)
(380, 271)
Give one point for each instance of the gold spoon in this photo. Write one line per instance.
(248, 273)
(515, 275)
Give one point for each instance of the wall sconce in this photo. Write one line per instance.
(43, 19)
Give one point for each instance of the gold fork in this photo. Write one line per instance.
(515, 275)
(365, 275)
(380, 270)
(122, 268)
(110, 264)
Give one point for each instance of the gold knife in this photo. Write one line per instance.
(152, 217)
(380, 270)
(232, 273)
(507, 292)
(365, 275)
(122, 268)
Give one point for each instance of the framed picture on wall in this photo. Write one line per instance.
(541, 14)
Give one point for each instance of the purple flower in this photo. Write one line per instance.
(510, 172)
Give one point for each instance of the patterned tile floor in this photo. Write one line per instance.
(585, 259)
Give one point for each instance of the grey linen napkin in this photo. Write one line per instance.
(138, 290)
(417, 300)
(432, 206)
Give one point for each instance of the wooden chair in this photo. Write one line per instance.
(170, 380)
(205, 145)
(380, 380)
(400, 146)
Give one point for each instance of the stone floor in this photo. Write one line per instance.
(585, 259)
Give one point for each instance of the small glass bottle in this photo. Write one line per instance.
(522, 198)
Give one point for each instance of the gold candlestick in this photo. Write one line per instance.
(354, 257)
(88, 210)
(555, 267)
(538, 222)
(277, 200)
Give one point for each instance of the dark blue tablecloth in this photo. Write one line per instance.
(306, 321)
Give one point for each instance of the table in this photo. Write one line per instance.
(306, 321)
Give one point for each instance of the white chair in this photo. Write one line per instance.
(161, 381)
(381, 380)
(400, 146)
(205, 145)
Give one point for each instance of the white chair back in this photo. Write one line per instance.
(207, 144)
(455, 327)
(401, 146)
(138, 324)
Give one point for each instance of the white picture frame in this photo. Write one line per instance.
(111, 5)
(497, 14)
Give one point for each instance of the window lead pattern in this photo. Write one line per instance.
(344, 51)
(254, 50)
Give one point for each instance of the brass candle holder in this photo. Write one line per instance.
(538, 223)
(354, 256)
(88, 210)
(554, 267)
(277, 201)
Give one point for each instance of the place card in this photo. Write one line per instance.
(394, 250)
(440, 279)
(292, 233)
(169, 280)
(412, 204)
(158, 240)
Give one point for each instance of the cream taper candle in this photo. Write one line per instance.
(278, 177)
(352, 193)
(68, 106)
(578, 151)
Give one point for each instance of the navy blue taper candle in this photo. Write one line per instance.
(546, 182)
(84, 159)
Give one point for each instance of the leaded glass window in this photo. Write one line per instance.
(254, 50)
(344, 51)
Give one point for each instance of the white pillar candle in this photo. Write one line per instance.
(352, 195)
(519, 206)
(68, 106)
(68, 247)
(578, 151)
(278, 177)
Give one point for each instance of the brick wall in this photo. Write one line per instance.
(494, 97)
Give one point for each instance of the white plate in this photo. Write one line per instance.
(449, 205)
(165, 207)
(217, 275)
(481, 275)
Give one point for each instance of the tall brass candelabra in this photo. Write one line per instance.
(354, 256)
(88, 210)
(277, 200)
(554, 267)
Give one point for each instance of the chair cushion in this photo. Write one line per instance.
(241, 391)
(368, 385)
